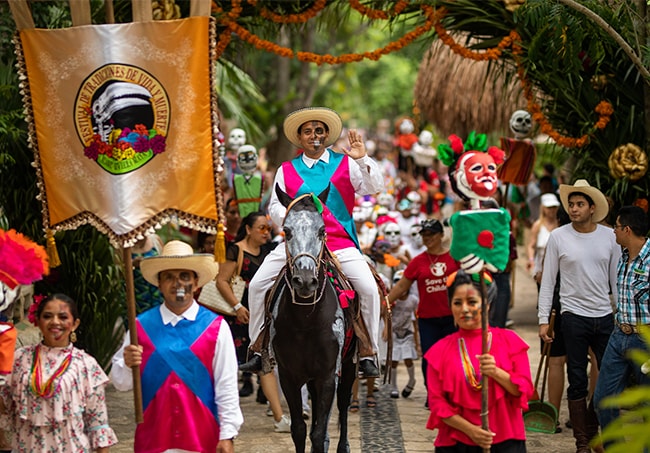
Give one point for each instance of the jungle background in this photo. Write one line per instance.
(467, 66)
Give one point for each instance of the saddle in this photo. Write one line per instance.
(349, 303)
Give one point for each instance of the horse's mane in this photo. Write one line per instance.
(305, 202)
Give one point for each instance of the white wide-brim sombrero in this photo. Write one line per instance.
(179, 255)
(294, 120)
(601, 207)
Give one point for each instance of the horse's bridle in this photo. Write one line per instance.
(318, 261)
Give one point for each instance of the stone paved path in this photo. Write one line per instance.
(395, 425)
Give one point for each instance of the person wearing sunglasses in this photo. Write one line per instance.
(632, 312)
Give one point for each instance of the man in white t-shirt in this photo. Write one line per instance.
(586, 255)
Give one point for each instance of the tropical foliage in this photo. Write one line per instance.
(630, 431)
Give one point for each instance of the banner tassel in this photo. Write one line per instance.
(52, 252)
(220, 245)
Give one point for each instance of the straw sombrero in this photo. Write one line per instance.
(601, 207)
(179, 255)
(328, 116)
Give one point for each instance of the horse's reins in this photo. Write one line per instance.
(292, 259)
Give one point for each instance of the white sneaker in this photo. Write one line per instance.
(283, 426)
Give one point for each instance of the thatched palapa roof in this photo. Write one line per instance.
(458, 95)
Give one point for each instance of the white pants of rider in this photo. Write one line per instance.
(353, 264)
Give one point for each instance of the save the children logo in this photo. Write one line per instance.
(122, 116)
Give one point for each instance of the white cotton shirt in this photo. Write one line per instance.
(587, 265)
(224, 370)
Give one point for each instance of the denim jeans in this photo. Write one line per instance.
(580, 333)
(432, 330)
(616, 370)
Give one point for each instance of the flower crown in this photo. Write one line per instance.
(449, 154)
(33, 309)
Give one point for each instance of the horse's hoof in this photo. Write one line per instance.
(394, 394)
(254, 365)
(367, 369)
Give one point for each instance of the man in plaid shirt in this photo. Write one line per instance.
(632, 311)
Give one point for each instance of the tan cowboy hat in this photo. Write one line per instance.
(179, 255)
(328, 116)
(601, 207)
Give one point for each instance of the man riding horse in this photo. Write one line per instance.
(316, 168)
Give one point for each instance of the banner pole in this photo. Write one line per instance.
(133, 332)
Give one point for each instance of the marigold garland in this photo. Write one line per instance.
(291, 18)
(377, 13)
(433, 20)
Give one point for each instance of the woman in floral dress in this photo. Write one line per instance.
(55, 398)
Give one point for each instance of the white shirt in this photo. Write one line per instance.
(587, 265)
(365, 177)
(224, 370)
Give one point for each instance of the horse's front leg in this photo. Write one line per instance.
(291, 390)
(324, 391)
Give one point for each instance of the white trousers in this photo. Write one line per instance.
(354, 266)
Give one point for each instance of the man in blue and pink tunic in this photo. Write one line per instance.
(187, 361)
(347, 174)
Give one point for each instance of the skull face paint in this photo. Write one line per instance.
(312, 136)
(476, 175)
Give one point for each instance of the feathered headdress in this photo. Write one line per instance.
(22, 261)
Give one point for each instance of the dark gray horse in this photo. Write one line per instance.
(312, 340)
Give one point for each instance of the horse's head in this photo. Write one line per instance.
(304, 235)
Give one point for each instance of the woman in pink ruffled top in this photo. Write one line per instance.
(55, 398)
(455, 367)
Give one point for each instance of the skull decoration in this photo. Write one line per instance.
(236, 139)
(119, 103)
(416, 237)
(520, 123)
(406, 127)
(247, 158)
(386, 200)
(393, 234)
(363, 211)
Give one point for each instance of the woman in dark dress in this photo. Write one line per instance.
(253, 239)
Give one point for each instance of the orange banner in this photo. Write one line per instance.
(123, 124)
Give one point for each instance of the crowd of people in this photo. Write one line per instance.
(386, 213)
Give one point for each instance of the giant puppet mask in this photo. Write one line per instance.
(236, 138)
(485, 238)
(472, 166)
(247, 159)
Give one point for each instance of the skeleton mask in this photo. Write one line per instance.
(247, 158)
(236, 139)
(406, 127)
(393, 234)
(386, 200)
(425, 138)
(520, 123)
(416, 201)
(416, 238)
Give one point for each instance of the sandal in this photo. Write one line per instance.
(370, 401)
(354, 406)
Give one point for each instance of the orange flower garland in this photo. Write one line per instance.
(433, 20)
(377, 13)
(604, 108)
(291, 18)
